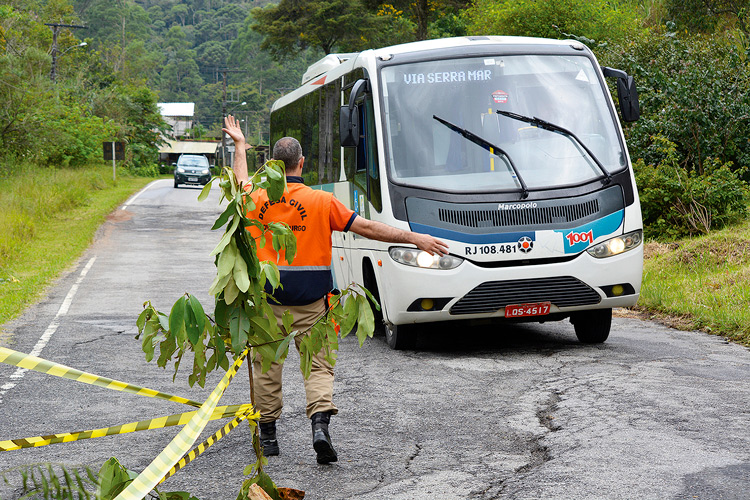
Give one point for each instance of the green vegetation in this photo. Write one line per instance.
(704, 282)
(47, 219)
(60, 482)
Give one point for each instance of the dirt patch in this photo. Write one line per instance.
(654, 249)
(120, 216)
(678, 322)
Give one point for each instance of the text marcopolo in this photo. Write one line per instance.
(516, 206)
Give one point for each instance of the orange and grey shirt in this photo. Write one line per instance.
(312, 215)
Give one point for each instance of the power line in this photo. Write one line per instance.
(55, 31)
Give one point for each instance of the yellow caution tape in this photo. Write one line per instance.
(143, 425)
(29, 362)
(179, 446)
(175, 456)
(198, 450)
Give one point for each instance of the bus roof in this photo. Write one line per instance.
(331, 61)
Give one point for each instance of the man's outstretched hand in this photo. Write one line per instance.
(233, 130)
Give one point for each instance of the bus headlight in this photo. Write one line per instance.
(418, 258)
(616, 245)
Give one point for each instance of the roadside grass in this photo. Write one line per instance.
(703, 281)
(48, 217)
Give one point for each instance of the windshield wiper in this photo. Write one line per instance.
(489, 147)
(543, 124)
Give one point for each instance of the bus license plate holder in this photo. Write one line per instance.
(530, 309)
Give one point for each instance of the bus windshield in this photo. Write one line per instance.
(468, 92)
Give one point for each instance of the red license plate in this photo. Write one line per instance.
(521, 310)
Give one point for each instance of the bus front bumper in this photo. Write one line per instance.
(416, 295)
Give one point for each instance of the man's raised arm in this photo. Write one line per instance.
(239, 166)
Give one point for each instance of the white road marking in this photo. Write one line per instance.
(51, 329)
(136, 195)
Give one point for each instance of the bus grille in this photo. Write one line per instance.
(562, 291)
(526, 217)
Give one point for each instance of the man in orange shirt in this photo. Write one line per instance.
(312, 215)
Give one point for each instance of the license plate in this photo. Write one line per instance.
(192, 179)
(521, 310)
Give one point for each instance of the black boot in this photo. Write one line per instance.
(321, 438)
(268, 439)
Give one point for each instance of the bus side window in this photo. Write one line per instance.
(371, 154)
(361, 163)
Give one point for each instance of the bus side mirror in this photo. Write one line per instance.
(349, 126)
(627, 94)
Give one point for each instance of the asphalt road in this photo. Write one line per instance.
(478, 411)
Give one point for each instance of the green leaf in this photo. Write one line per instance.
(371, 297)
(287, 320)
(239, 326)
(148, 346)
(271, 271)
(141, 322)
(276, 181)
(351, 314)
(224, 217)
(206, 189)
(163, 321)
(195, 319)
(220, 282)
(283, 348)
(231, 291)
(365, 320)
(305, 356)
(177, 319)
(113, 478)
(222, 313)
(266, 328)
(166, 350)
(227, 236)
(226, 260)
(241, 278)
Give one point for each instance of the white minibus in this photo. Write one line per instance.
(508, 149)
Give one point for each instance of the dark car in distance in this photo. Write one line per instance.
(192, 169)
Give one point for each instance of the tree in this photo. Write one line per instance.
(293, 25)
(428, 18)
(596, 20)
(708, 15)
(180, 75)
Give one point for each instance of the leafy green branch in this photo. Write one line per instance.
(242, 316)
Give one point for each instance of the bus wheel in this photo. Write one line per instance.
(592, 327)
(401, 337)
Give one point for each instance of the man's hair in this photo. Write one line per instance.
(288, 150)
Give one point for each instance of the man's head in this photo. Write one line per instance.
(288, 150)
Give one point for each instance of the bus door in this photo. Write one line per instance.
(362, 172)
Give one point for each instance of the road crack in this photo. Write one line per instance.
(413, 456)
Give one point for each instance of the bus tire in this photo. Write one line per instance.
(592, 327)
(401, 337)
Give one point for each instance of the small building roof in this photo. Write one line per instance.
(177, 108)
(189, 147)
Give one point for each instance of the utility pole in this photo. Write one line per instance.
(55, 31)
(224, 73)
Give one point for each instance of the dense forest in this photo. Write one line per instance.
(690, 58)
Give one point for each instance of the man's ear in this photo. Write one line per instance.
(301, 162)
